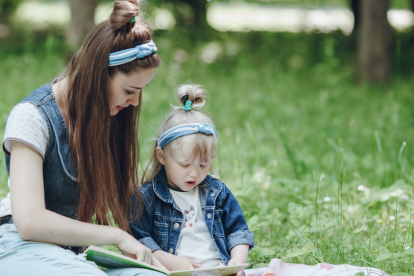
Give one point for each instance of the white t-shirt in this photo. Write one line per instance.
(26, 125)
(195, 241)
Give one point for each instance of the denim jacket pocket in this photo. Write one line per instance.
(218, 230)
(161, 231)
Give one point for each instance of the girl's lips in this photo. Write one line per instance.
(190, 183)
(119, 108)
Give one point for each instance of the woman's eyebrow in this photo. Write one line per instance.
(135, 87)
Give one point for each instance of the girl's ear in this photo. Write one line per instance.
(160, 155)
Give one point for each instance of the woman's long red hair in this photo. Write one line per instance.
(106, 148)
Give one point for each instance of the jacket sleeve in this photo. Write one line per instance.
(142, 228)
(234, 223)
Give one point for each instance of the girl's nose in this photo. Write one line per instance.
(193, 173)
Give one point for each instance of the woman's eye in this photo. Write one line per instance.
(130, 92)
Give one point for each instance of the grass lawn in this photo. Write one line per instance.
(314, 159)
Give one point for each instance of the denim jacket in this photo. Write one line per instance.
(59, 169)
(160, 225)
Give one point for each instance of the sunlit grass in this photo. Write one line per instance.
(311, 156)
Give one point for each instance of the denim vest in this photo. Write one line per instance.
(59, 169)
(159, 227)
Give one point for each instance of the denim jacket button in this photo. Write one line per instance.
(209, 215)
(176, 225)
(170, 250)
(213, 194)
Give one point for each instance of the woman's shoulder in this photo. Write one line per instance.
(26, 124)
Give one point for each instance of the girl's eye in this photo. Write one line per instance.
(184, 165)
(203, 165)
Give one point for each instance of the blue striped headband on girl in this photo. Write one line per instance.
(187, 129)
(127, 55)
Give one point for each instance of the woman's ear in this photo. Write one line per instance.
(160, 155)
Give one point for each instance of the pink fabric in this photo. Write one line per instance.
(288, 269)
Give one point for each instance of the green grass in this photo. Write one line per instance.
(297, 137)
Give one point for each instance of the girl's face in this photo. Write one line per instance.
(182, 169)
(124, 90)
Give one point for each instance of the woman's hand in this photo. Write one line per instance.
(174, 263)
(132, 248)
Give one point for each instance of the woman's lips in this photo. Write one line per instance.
(119, 108)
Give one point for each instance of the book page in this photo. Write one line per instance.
(213, 271)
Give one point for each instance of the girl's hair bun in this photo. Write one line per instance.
(124, 11)
(196, 94)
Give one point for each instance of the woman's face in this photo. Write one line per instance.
(125, 89)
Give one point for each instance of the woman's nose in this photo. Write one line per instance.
(134, 100)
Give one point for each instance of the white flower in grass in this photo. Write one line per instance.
(362, 188)
(407, 247)
(326, 199)
(391, 218)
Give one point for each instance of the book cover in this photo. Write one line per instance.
(109, 259)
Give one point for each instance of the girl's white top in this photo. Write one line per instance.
(26, 125)
(195, 241)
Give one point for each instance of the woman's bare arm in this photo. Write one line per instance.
(34, 222)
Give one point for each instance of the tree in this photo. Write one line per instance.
(355, 9)
(81, 22)
(374, 41)
(7, 8)
(190, 17)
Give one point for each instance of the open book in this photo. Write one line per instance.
(109, 259)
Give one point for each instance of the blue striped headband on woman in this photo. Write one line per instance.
(127, 55)
(187, 129)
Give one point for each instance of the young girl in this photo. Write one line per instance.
(190, 219)
(71, 152)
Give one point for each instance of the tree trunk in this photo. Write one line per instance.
(412, 30)
(355, 7)
(374, 41)
(81, 22)
(191, 19)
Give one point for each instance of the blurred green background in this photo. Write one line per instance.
(316, 150)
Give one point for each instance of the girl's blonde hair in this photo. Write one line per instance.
(204, 146)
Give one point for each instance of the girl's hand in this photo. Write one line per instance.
(235, 261)
(174, 263)
(132, 248)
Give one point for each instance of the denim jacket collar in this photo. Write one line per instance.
(163, 192)
(62, 133)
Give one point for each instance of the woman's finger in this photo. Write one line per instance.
(194, 263)
(154, 261)
(141, 258)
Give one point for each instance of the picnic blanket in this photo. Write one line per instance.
(288, 269)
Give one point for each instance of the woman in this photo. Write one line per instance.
(72, 151)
